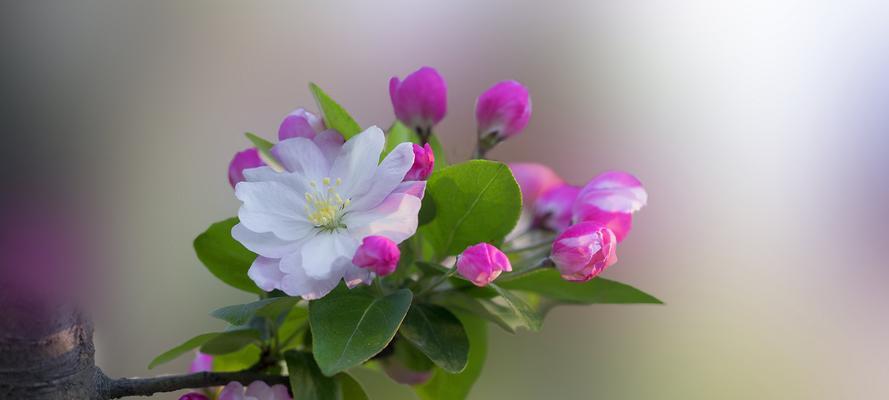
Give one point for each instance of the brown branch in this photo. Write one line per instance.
(108, 388)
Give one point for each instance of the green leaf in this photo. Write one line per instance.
(306, 380)
(237, 361)
(335, 116)
(181, 349)
(475, 201)
(240, 314)
(230, 341)
(265, 151)
(224, 257)
(447, 386)
(350, 389)
(439, 334)
(504, 316)
(410, 357)
(399, 133)
(532, 319)
(350, 326)
(293, 327)
(548, 283)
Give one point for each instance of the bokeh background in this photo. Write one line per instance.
(759, 129)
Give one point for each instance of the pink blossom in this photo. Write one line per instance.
(300, 123)
(243, 160)
(421, 100)
(553, 209)
(502, 111)
(534, 180)
(482, 263)
(378, 254)
(583, 251)
(202, 362)
(257, 390)
(424, 161)
(194, 396)
(610, 199)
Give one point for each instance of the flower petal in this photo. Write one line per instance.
(395, 218)
(321, 253)
(357, 162)
(298, 283)
(387, 177)
(259, 389)
(413, 188)
(355, 276)
(265, 244)
(330, 142)
(619, 223)
(265, 273)
(272, 207)
(302, 156)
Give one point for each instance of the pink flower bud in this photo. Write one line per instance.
(202, 362)
(482, 263)
(610, 199)
(300, 123)
(502, 111)
(378, 254)
(243, 160)
(194, 396)
(424, 161)
(421, 100)
(583, 251)
(553, 209)
(534, 180)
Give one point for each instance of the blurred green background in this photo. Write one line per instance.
(758, 129)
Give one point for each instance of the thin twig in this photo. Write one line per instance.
(108, 388)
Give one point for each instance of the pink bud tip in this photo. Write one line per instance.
(378, 254)
(243, 160)
(583, 251)
(553, 209)
(421, 99)
(300, 123)
(534, 180)
(503, 110)
(610, 199)
(201, 363)
(424, 161)
(482, 263)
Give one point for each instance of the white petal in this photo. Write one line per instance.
(413, 188)
(357, 162)
(387, 177)
(265, 244)
(302, 156)
(260, 390)
(355, 276)
(322, 253)
(265, 273)
(296, 182)
(300, 284)
(395, 218)
(272, 207)
(330, 142)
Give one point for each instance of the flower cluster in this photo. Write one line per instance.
(367, 245)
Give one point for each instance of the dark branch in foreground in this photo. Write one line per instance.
(108, 388)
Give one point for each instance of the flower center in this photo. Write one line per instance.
(324, 206)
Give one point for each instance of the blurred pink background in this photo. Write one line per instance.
(759, 129)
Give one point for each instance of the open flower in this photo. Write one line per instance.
(610, 199)
(305, 223)
(257, 390)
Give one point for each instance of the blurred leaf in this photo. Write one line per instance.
(265, 151)
(447, 386)
(547, 282)
(437, 333)
(350, 389)
(335, 116)
(411, 357)
(475, 201)
(306, 380)
(230, 341)
(224, 257)
(292, 327)
(505, 317)
(238, 360)
(350, 326)
(240, 314)
(181, 349)
(532, 319)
